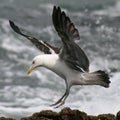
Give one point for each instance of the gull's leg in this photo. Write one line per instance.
(61, 101)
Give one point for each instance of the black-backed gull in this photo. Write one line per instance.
(70, 62)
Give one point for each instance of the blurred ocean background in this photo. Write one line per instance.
(98, 22)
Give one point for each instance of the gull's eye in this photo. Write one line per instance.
(33, 62)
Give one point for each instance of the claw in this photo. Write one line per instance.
(58, 104)
(54, 104)
(62, 103)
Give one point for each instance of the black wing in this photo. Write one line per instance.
(41, 45)
(71, 53)
(63, 25)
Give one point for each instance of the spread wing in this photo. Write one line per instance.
(41, 45)
(63, 25)
(71, 53)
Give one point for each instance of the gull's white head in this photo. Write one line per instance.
(36, 62)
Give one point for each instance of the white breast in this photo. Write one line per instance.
(58, 66)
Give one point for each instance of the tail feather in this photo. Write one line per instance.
(97, 78)
(103, 77)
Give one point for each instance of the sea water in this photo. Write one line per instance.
(98, 23)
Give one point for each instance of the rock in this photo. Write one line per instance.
(44, 115)
(64, 114)
(90, 117)
(118, 116)
(107, 117)
(3, 118)
(67, 114)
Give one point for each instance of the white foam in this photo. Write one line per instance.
(112, 11)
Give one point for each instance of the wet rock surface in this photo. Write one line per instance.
(67, 114)
(3, 118)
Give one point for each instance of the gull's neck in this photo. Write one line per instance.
(52, 62)
(49, 60)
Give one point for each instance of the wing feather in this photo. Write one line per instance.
(71, 53)
(41, 45)
(63, 25)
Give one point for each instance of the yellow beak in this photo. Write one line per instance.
(29, 70)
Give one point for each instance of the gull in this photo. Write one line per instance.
(70, 61)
